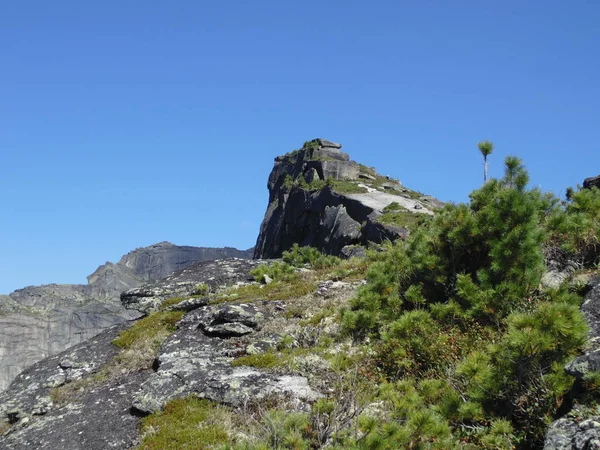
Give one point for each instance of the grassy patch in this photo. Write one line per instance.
(185, 424)
(267, 360)
(172, 301)
(292, 287)
(67, 392)
(393, 207)
(318, 317)
(404, 219)
(149, 330)
(347, 187)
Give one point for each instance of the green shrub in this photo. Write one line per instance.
(276, 271)
(300, 256)
(458, 303)
(201, 290)
(575, 229)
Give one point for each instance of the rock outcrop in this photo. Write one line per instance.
(196, 359)
(591, 182)
(580, 428)
(39, 321)
(319, 197)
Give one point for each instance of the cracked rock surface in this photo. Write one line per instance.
(197, 360)
(97, 419)
(216, 274)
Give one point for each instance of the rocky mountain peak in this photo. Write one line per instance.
(319, 197)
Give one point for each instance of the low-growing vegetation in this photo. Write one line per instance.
(404, 218)
(186, 424)
(457, 306)
(149, 331)
(266, 360)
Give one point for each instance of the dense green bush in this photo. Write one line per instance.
(576, 228)
(299, 256)
(458, 302)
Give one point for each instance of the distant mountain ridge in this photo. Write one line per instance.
(39, 321)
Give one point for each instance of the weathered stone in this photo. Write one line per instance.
(183, 283)
(338, 229)
(311, 175)
(100, 419)
(366, 176)
(591, 182)
(30, 390)
(326, 143)
(193, 363)
(227, 330)
(392, 186)
(572, 434)
(265, 344)
(245, 314)
(338, 170)
(569, 433)
(351, 251)
(190, 304)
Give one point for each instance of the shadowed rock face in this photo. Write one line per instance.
(591, 182)
(39, 321)
(327, 219)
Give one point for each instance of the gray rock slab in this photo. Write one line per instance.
(31, 388)
(216, 274)
(100, 420)
(192, 362)
(378, 200)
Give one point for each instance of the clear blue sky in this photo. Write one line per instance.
(126, 123)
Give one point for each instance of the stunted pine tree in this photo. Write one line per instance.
(486, 148)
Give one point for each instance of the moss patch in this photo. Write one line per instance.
(185, 424)
(149, 329)
(267, 360)
(347, 187)
(404, 219)
(277, 290)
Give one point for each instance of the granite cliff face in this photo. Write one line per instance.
(39, 321)
(320, 198)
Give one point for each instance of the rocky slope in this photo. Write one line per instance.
(39, 321)
(43, 410)
(319, 197)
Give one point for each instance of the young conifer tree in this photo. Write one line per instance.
(486, 148)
